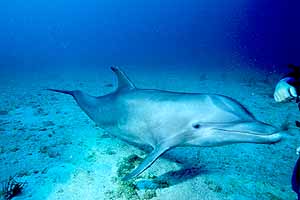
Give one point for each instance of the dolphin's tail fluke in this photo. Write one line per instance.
(70, 92)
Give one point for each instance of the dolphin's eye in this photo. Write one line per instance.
(196, 126)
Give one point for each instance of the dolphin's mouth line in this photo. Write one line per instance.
(243, 132)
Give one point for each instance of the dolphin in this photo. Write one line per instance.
(164, 120)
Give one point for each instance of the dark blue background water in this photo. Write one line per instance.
(59, 33)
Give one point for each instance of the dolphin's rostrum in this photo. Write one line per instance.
(164, 119)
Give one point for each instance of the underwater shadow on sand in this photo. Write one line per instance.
(190, 169)
(171, 178)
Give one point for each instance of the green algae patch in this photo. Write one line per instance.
(128, 164)
(129, 189)
(124, 189)
(149, 194)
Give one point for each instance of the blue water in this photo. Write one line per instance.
(234, 48)
(171, 32)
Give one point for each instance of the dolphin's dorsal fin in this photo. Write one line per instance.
(123, 81)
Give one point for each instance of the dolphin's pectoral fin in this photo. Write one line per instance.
(70, 92)
(147, 162)
(124, 82)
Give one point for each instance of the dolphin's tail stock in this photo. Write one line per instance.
(86, 102)
(70, 92)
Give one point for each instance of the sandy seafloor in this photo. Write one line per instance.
(47, 141)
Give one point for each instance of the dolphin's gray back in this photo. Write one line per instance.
(204, 105)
